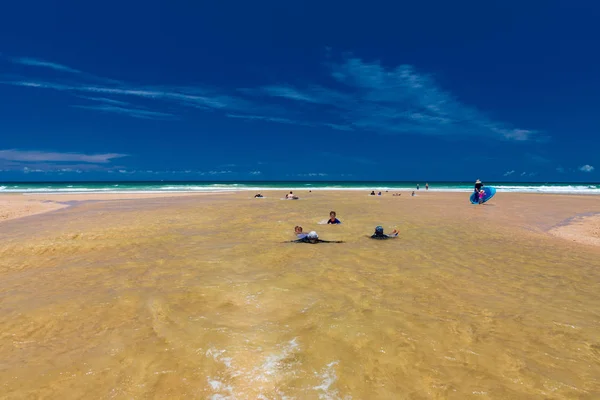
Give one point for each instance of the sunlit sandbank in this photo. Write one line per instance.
(199, 296)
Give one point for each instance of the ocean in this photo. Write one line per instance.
(256, 186)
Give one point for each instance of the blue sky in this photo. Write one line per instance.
(307, 90)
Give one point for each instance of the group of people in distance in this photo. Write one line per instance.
(312, 237)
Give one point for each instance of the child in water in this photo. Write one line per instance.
(332, 218)
(299, 233)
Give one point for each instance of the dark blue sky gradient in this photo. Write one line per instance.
(276, 90)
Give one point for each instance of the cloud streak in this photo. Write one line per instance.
(32, 62)
(132, 112)
(44, 156)
(361, 96)
(394, 101)
(586, 168)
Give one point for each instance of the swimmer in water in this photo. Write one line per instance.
(332, 218)
(299, 233)
(313, 238)
(380, 235)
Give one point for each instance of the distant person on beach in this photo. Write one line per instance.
(332, 218)
(258, 195)
(478, 186)
(299, 233)
(380, 235)
(379, 194)
(373, 193)
(481, 195)
(417, 186)
(413, 193)
(427, 186)
(313, 238)
(291, 195)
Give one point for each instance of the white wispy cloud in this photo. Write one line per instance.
(394, 101)
(45, 156)
(509, 173)
(33, 62)
(361, 96)
(266, 118)
(105, 100)
(586, 168)
(132, 112)
(312, 174)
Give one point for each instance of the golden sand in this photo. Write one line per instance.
(198, 297)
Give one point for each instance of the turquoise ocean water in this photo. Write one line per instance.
(257, 186)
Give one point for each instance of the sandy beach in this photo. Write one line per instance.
(200, 296)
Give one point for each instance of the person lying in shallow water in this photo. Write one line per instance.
(313, 238)
(299, 233)
(380, 235)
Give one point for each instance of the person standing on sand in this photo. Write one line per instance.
(481, 195)
(478, 186)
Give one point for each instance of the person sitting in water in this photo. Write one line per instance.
(291, 195)
(299, 233)
(380, 235)
(313, 238)
(332, 218)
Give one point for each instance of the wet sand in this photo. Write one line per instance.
(582, 229)
(18, 206)
(198, 297)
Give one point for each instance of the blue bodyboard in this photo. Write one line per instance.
(489, 193)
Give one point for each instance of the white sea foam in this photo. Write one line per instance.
(266, 374)
(328, 378)
(236, 187)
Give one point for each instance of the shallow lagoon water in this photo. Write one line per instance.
(199, 297)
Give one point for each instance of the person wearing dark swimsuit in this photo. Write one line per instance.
(381, 236)
(313, 238)
(332, 218)
(478, 186)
